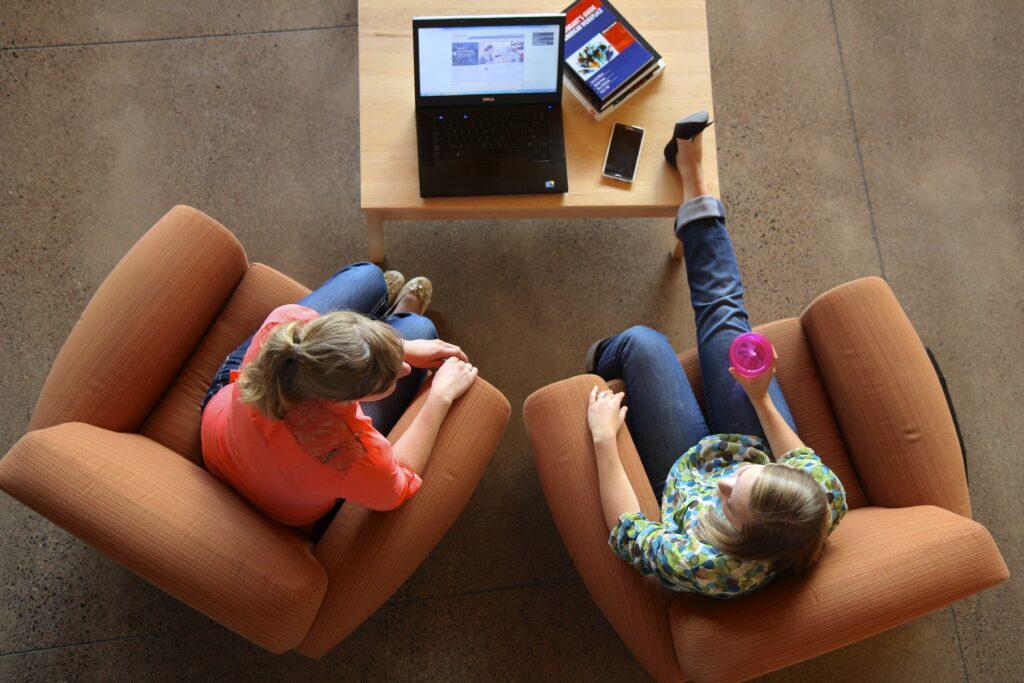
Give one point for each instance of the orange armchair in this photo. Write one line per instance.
(113, 452)
(866, 397)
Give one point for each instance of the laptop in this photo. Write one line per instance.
(489, 104)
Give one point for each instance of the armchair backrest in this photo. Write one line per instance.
(886, 397)
(175, 421)
(142, 324)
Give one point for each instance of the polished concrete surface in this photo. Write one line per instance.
(854, 139)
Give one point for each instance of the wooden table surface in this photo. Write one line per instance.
(387, 124)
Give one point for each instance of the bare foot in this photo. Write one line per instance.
(688, 157)
(689, 152)
(410, 303)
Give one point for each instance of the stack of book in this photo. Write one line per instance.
(606, 60)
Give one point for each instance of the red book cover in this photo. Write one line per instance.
(618, 36)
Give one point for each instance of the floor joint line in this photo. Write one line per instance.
(167, 39)
(482, 591)
(856, 140)
(98, 641)
(959, 645)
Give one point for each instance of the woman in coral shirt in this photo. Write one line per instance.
(317, 386)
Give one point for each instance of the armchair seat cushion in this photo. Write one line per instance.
(882, 567)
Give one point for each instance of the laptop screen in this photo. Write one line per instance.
(488, 60)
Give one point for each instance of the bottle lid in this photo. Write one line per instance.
(751, 354)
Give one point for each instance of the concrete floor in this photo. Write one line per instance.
(854, 139)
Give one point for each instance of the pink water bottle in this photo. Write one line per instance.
(751, 354)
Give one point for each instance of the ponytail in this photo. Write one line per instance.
(340, 356)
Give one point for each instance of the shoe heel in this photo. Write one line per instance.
(670, 152)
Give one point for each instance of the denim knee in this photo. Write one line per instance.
(370, 272)
(413, 326)
(640, 337)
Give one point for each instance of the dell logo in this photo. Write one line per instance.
(488, 99)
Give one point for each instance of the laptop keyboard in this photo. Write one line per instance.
(491, 135)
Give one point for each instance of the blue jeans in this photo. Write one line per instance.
(664, 418)
(358, 287)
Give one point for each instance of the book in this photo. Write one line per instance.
(606, 59)
(599, 114)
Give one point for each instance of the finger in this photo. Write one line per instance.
(622, 412)
(448, 349)
(732, 371)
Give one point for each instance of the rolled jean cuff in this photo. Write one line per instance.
(697, 208)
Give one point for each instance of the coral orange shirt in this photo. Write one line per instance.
(294, 469)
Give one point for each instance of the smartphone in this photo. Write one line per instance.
(623, 153)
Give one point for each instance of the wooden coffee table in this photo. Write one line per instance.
(389, 169)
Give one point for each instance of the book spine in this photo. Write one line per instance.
(582, 99)
(622, 100)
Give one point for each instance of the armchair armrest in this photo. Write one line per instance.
(886, 398)
(142, 324)
(882, 567)
(369, 555)
(563, 451)
(174, 525)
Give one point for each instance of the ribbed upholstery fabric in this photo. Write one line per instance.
(368, 555)
(865, 397)
(175, 422)
(801, 384)
(886, 397)
(883, 567)
(173, 524)
(563, 452)
(185, 296)
(142, 324)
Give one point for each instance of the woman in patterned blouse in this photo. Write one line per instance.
(733, 517)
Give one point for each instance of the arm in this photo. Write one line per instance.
(605, 416)
(781, 437)
(452, 380)
(413, 448)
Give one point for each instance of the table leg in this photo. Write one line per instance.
(375, 235)
(677, 251)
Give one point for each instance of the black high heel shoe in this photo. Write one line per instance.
(686, 129)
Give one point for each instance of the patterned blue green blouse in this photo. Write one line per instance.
(671, 551)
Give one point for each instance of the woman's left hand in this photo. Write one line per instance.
(605, 414)
(430, 353)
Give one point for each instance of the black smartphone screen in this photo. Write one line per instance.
(623, 151)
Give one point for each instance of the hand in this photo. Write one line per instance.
(430, 353)
(452, 379)
(605, 414)
(756, 387)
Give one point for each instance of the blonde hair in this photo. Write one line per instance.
(788, 525)
(339, 356)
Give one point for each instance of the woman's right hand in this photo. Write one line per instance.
(605, 414)
(453, 379)
(756, 387)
